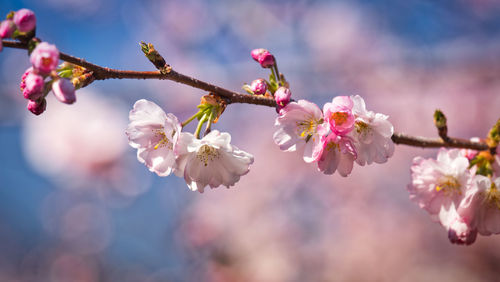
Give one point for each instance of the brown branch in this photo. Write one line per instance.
(102, 73)
(423, 142)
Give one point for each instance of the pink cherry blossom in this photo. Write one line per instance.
(154, 134)
(484, 200)
(440, 183)
(7, 27)
(25, 20)
(372, 134)
(337, 154)
(339, 115)
(64, 90)
(258, 86)
(282, 96)
(298, 127)
(459, 226)
(45, 58)
(37, 107)
(211, 161)
(263, 57)
(33, 86)
(22, 85)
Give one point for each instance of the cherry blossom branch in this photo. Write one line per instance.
(423, 142)
(166, 72)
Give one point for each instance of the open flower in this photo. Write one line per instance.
(154, 134)
(339, 115)
(211, 161)
(298, 126)
(484, 200)
(337, 153)
(440, 183)
(372, 133)
(459, 225)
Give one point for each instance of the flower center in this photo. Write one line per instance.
(307, 128)
(493, 195)
(207, 154)
(46, 61)
(164, 142)
(449, 185)
(332, 145)
(361, 127)
(339, 117)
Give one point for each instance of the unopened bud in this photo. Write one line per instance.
(7, 27)
(37, 107)
(64, 91)
(282, 96)
(259, 86)
(45, 58)
(25, 20)
(263, 57)
(33, 86)
(22, 85)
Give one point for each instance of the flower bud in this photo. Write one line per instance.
(259, 86)
(33, 86)
(45, 58)
(22, 85)
(64, 91)
(7, 27)
(263, 57)
(282, 96)
(37, 107)
(25, 20)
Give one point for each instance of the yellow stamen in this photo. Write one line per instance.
(449, 185)
(207, 154)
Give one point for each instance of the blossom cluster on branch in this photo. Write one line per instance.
(459, 189)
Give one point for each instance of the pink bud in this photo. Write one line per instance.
(37, 107)
(33, 86)
(282, 96)
(7, 27)
(23, 78)
(45, 58)
(64, 91)
(25, 20)
(263, 57)
(258, 86)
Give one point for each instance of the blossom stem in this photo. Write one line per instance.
(186, 122)
(200, 124)
(209, 123)
(103, 73)
(277, 73)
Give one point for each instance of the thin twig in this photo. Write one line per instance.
(103, 73)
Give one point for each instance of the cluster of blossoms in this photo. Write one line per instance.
(460, 190)
(44, 60)
(343, 133)
(17, 24)
(164, 148)
(44, 74)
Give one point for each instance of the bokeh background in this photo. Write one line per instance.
(76, 205)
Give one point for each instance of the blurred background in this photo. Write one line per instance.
(76, 205)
